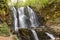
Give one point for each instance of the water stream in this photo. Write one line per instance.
(33, 18)
(15, 20)
(35, 34)
(27, 19)
(50, 35)
(22, 18)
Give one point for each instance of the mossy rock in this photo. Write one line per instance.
(26, 34)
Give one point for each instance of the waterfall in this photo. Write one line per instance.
(15, 19)
(35, 34)
(51, 36)
(33, 17)
(22, 18)
(25, 19)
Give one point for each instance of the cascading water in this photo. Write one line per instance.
(50, 35)
(15, 19)
(22, 18)
(33, 18)
(35, 34)
(26, 20)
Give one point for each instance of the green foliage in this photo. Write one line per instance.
(10, 3)
(33, 3)
(37, 3)
(4, 11)
(3, 4)
(57, 1)
(4, 30)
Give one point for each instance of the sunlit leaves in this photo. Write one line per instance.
(38, 3)
(11, 2)
(34, 3)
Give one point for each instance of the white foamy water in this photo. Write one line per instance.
(33, 18)
(35, 34)
(22, 18)
(50, 35)
(15, 18)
